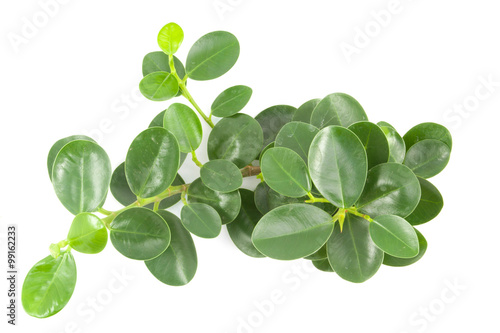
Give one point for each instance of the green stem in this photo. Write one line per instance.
(156, 206)
(104, 211)
(195, 159)
(313, 199)
(354, 211)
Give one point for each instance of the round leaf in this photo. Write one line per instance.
(231, 101)
(273, 119)
(292, 231)
(399, 262)
(139, 233)
(81, 175)
(212, 55)
(393, 235)
(397, 147)
(170, 38)
(338, 165)
(427, 131)
(427, 158)
(158, 122)
(201, 220)
(323, 265)
(266, 148)
(159, 86)
(297, 136)
(158, 62)
(337, 109)
(184, 124)
(56, 147)
(374, 140)
(429, 206)
(305, 111)
(87, 234)
(221, 175)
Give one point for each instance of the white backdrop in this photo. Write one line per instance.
(76, 71)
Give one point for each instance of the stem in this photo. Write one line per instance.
(156, 206)
(250, 171)
(313, 199)
(104, 211)
(195, 159)
(354, 211)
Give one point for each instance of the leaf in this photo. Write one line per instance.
(391, 189)
(429, 206)
(427, 158)
(292, 231)
(201, 220)
(158, 122)
(273, 119)
(241, 229)
(297, 136)
(231, 101)
(338, 165)
(152, 162)
(184, 124)
(158, 62)
(170, 38)
(266, 148)
(337, 109)
(159, 86)
(400, 262)
(285, 172)
(397, 147)
(323, 265)
(304, 112)
(237, 138)
(81, 176)
(393, 235)
(54, 150)
(177, 265)
(427, 131)
(226, 204)
(352, 253)
(213, 55)
(221, 175)
(374, 140)
(48, 286)
(87, 234)
(318, 255)
(139, 233)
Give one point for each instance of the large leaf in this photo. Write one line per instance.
(428, 157)
(273, 119)
(87, 234)
(177, 265)
(338, 165)
(318, 255)
(427, 131)
(292, 231)
(201, 220)
(139, 233)
(352, 253)
(56, 147)
(212, 55)
(152, 162)
(391, 189)
(230, 140)
(159, 86)
(170, 38)
(374, 140)
(397, 147)
(221, 175)
(81, 175)
(231, 101)
(393, 235)
(304, 112)
(429, 206)
(296, 136)
(48, 286)
(337, 109)
(399, 262)
(184, 124)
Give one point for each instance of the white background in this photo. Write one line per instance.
(75, 74)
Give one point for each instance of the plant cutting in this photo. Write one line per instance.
(335, 188)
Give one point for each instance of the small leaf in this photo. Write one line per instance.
(297, 136)
(87, 234)
(305, 111)
(400, 262)
(139, 233)
(397, 147)
(231, 101)
(323, 265)
(201, 220)
(427, 158)
(429, 206)
(54, 150)
(374, 140)
(159, 86)
(158, 62)
(427, 131)
(273, 119)
(184, 124)
(221, 175)
(170, 38)
(337, 109)
(393, 235)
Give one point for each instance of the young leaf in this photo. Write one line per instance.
(201, 220)
(273, 119)
(428, 157)
(221, 175)
(184, 124)
(231, 101)
(374, 140)
(337, 109)
(400, 262)
(87, 234)
(170, 38)
(297, 136)
(159, 86)
(54, 150)
(429, 206)
(393, 235)
(427, 131)
(397, 147)
(292, 231)
(304, 112)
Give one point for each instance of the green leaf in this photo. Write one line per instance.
(170, 38)
(237, 138)
(241, 229)
(338, 165)
(48, 286)
(152, 162)
(226, 204)
(400, 262)
(427, 131)
(139, 233)
(297, 136)
(318, 255)
(337, 109)
(427, 158)
(429, 206)
(201, 220)
(177, 265)
(286, 172)
(231, 101)
(374, 140)
(158, 62)
(213, 55)
(266, 148)
(184, 124)
(352, 253)
(292, 231)
(87, 234)
(323, 265)
(221, 175)
(391, 189)
(393, 235)
(273, 119)
(397, 147)
(158, 122)
(81, 175)
(159, 86)
(305, 111)
(54, 150)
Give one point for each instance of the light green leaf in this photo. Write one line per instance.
(184, 124)
(221, 175)
(87, 234)
(201, 220)
(54, 150)
(159, 86)
(394, 235)
(231, 101)
(170, 38)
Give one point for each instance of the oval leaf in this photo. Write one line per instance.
(397, 147)
(304, 112)
(374, 140)
(170, 38)
(56, 147)
(273, 119)
(184, 124)
(337, 109)
(221, 175)
(201, 220)
(427, 131)
(400, 262)
(158, 62)
(393, 235)
(427, 158)
(231, 101)
(429, 206)
(87, 234)
(297, 136)
(159, 86)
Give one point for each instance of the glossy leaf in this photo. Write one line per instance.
(304, 112)
(177, 265)
(400, 262)
(397, 147)
(427, 158)
(393, 235)
(292, 231)
(170, 38)
(158, 122)
(48, 286)
(212, 55)
(337, 109)
(374, 140)
(226, 204)
(231, 101)
(237, 138)
(338, 165)
(81, 175)
(297, 136)
(159, 86)
(184, 124)
(427, 131)
(318, 255)
(273, 119)
(201, 220)
(56, 147)
(352, 253)
(286, 172)
(391, 189)
(139, 233)
(323, 265)
(221, 175)
(158, 62)
(152, 162)
(87, 234)
(429, 206)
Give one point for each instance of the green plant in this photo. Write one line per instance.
(335, 188)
